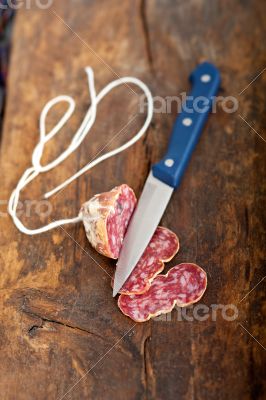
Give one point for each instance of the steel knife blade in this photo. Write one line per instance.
(166, 175)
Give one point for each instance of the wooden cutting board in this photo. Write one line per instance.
(61, 333)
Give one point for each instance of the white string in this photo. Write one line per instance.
(88, 121)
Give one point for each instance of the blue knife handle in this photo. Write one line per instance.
(188, 126)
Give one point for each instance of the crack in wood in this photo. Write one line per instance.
(32, 330)
(145, 366)
(148, 376)
(145, 27)
(247, 222)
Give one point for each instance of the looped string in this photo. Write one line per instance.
(87, 123)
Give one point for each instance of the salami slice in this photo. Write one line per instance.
(162, 248)
(106, 217)
(184, 284)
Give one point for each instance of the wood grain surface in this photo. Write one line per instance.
(61, 333)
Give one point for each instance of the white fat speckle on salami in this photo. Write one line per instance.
(162, 248)
(106, 217)
(183, 285)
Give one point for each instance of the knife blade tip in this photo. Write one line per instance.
(115, 290)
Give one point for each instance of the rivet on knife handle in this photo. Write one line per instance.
(188, 125)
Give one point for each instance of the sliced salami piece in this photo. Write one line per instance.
(162, 248)
(106, 217)
(184, 284)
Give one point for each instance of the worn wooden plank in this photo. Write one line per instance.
(59, 323)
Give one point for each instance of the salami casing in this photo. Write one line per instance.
(162, 248)
(106, 217)
(184, 284)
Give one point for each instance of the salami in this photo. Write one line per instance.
(162, 248)
(106, 217)
(184, 284)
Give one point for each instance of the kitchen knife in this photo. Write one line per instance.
(166, 175)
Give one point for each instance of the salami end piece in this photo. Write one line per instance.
(183, 285)
(106, 217)
(162, 248)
